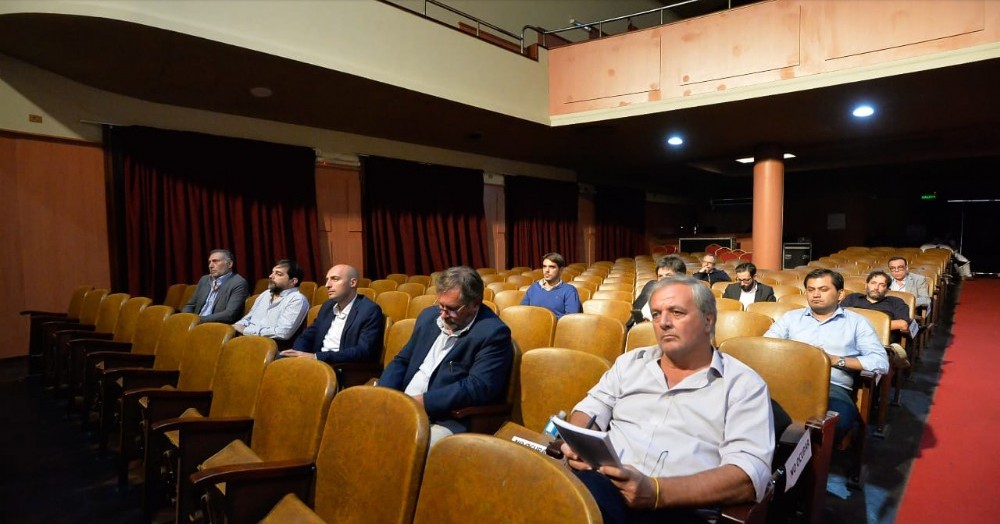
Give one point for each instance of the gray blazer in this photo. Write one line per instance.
(228, 306)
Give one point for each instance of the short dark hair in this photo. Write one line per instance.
(672, 262)
(837, 278)
(878, 273)
(555, 258)
(905, 263)
(466, 279)
(747, 267)
(292, 269)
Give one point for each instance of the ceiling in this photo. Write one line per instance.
(937, 114)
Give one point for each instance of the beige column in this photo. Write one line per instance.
(768, 206)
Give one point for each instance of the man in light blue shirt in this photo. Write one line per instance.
(278, 312)
(846, 337)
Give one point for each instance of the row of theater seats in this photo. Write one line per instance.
(544, 374)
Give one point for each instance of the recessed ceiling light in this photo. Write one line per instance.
(675, 140)
(261, 92)
(786, 156)
(863, 111)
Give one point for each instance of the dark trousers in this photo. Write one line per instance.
(842, 403)
(614, 510)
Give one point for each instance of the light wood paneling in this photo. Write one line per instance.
(338, 203)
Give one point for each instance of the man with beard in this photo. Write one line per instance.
(279, 312)
(551, 292)
(876, 296)
(460, 354)
(847, 338)
(746, 289)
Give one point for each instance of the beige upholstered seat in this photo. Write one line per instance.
(530, 326)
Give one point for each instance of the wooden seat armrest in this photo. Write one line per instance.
(169, 403)
(37, 313)
(61, 325)
(253, 489)
(115, 360)
(484, 419)
(77, 331)
(138, 378)
(356, 373)
(93, 340)
(84, 337)
(93, 345)
(200, 438)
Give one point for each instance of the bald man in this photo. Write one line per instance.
(349, 327)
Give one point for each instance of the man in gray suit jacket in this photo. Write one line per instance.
(746, 289)
(903, 280)
(221, 293)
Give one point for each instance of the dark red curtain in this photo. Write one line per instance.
(421, 218)
(620, 220)
(541, 218)
(180, 194)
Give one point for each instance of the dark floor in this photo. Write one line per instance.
(52, 472)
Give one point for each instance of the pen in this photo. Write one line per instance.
(590, 425)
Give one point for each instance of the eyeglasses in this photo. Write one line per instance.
(744, 280)
(451, 312)
(897, 268)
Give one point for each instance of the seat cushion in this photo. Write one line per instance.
(291, 509)
(236, 452)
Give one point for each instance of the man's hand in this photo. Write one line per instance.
(572, 459)
(239, 328)
(638, 490)
(298, 354)
(419, 399)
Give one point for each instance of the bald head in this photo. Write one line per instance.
(342, 284)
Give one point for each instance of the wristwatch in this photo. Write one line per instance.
(841, 363)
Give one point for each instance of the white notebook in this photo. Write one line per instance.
(593, 447)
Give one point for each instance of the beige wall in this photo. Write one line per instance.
(53, 229)
(764, 49)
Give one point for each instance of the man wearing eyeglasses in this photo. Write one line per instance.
(709, 273)
(349, 326)
(460, 354)
(746, 289)
(903, 280)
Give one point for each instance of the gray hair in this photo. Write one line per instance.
(227, 254)
(465, 278)
(704, 299)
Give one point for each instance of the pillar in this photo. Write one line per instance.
(768, 206)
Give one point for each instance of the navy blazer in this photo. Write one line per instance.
(229, 304)
(475, 372)
(764, 293)
(361, 340)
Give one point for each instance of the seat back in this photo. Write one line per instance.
(619, 310)
(781, 290)
(604, 294)
(595, 334)
(385, 489)
(239, 374)
(188, 293)
(520, 280)
(730, 324)
(248, 304)
(173, 339)
(773, 309)
(879, 320)
(91, 304)
(291, 410)
(396, 337)
(414, 289)
(797, 374)
(319, 296)
(383, 285)
(507, 298)
(796, 299)
(368, 292)
(393, 304)
(201, 356)
(128, 318)
(420, 279)
(399, 278)
(530, 326)
(308, 288)
(76, 301)
(554, 380)
(148, 327)
(261, 286)
(109, 311)
(455, 488)
(728, 304)
(312, 314)
(418, 304)
(174, 294)
(908, 298)
(640, 335)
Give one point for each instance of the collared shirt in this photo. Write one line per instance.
(845, 334)
(545, 285)
(276, 319)
(442, 345)
(718, 415)
(331, 342)
(915, 285)
(213, 294)
(747, 297)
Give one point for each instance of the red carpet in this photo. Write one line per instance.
(956, 474)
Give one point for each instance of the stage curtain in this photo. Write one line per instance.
(541, 218)
(421, 218)
(620, 220)
(178, 195)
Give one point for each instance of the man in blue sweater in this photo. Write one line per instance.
(551, 292)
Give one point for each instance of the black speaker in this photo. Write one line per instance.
(795, 254)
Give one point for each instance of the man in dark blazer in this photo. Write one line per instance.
(460, 354)
(746, 289)
(666, 266)
(221, 293)
(349, 326)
